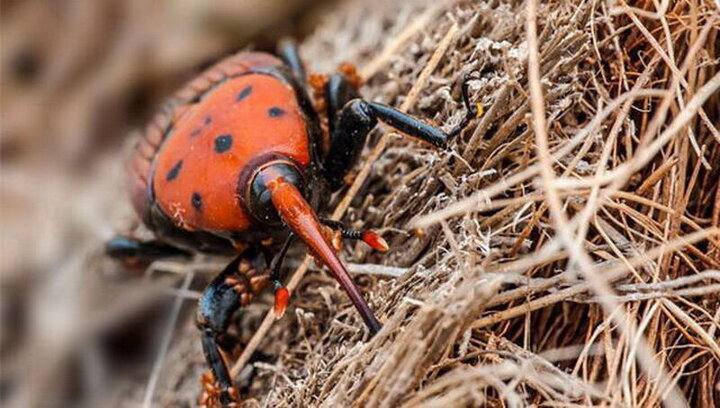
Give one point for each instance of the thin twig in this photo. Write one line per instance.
(165, 344)
(577, 253)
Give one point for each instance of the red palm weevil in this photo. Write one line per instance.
(239, 159)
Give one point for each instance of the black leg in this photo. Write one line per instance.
(471, 111)
(336, 225)
(216, 307)
(236, 286)
(277, 261)
(421, 130)
(350, 127)
(408, 124)
(350, 130)
(124, 248)
(339, 92)
(288, 52)
(282, 295)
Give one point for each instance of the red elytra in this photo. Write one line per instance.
(248, 117)
(189, 162)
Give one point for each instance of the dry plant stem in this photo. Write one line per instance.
(576, 251)
(612, 273)
(644, 156)
(549, 252)
(623, 171)
(484, 196)
(595, 199)
(377, 63)
(165, 344)
(670, 283)
(350, 194)
(646, 150)
(675, 294)
(676, 72)
(374, 269)
(656, 176)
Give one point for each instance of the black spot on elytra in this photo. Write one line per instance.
(196, 132)
(173, 173)
(244, 93)
(207, 121)
(275, 112)
(196, 201)
(223, 143)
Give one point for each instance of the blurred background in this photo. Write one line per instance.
(79, 78)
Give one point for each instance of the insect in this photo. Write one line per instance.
(241, 159)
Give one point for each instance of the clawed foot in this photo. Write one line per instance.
(214, 396)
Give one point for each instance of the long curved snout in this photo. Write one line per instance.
(302, 220)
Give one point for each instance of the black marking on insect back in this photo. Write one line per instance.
(244, 93)
(196, 201)
(275, 112)
(173, 173)
(307, 107)
(196, 132)
(223, 143)
(207, 121)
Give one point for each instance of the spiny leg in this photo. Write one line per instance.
(419, 129)
(133, 251)
(235, 286)
(217, 305)
(351, 125)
